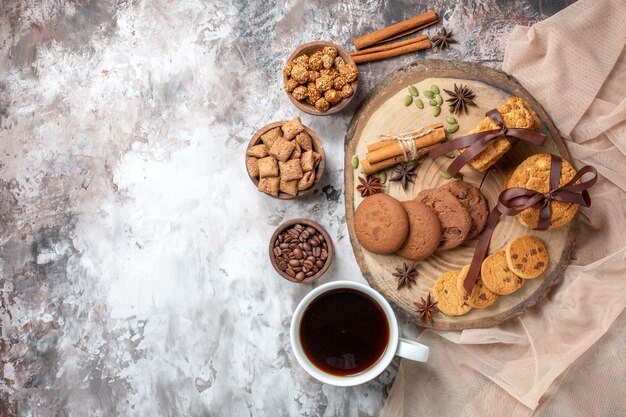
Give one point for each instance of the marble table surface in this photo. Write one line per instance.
(134, 279)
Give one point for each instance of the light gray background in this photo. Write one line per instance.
(134, 279)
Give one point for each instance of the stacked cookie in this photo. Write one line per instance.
(502, 273)
(437, 219)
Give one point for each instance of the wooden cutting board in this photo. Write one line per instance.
(383, 113)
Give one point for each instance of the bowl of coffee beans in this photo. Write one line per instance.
(301, 250)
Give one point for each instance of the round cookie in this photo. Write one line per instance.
(474, 202)
(424, 231)
(526, 256)
(449, 300)
(534, 174)
(381, 224)
(454, 218)
(497, 276)
(481, 296)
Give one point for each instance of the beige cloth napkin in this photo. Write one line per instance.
(574, 64)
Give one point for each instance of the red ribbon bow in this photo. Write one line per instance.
(478, 142)
(513, 201)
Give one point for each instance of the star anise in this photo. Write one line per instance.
(442, 39)
(406, 275)
(405, 173)
(369, 186)
(460, 98)
(426, 308)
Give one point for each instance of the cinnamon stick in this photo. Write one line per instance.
(390, 53)
(387, 140)
(388, 46)
(394, 149)
(371, 168)
(394, 30)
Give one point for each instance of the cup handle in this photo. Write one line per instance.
(414, 351)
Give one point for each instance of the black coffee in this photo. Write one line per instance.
(344, 332)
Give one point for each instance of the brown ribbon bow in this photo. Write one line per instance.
(513, 201)
(478, 142)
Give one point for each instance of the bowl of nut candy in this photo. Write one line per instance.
(285, 159)
(301, 250)
(320, 78)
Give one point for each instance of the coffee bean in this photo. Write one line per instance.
(293, 233)
(316, 269)
(304, 236)
(293, 245)
(309, 274)
(299, 227)
(280, 238)
(311, 230)
(277, 252)
(305, 269)
(308, 264)
(300, 276)
(287, 239)
(319, 264)
(320, 237)
(324, 255)
(297, 268)
(290, 272)
(310, 258)
(306, 246)
(317, 252)
(284, 245)
(297, 253)
(294, 262)
(282, 265)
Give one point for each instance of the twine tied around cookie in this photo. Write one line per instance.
(513, 201)
(475, 143)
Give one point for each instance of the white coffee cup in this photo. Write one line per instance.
(395, 345)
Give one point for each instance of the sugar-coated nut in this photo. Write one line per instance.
(346, 91)
(304, 141)
(289, 187)
(258, 151)
(315, 61)
(307, 180)
(252, 165)
(292, 128)
(313, 76)
(290, 85)
(268, 167)
(324, 83)
(302, 60)
(331, 51)
(297, 153)
(339, 61)
(307, 161)
(300, 74)
(282, 149)
(327, 61)
(300, 92)
(332, 96)
(270, 185)
(290, 170)
(313, 94)
(322, 104)
(287, 69)
(271, 136)
(330, 72)
(349, 71)
(339, 82)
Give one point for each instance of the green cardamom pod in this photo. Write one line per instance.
(408, 100)
(449, 154)
(432, 102)
(451, 120)
(445, 174)
(434, 89)
(449, 137)
(413, 91)
(438, 99)
(419, 103)
(451, 108)
(436, 111)
(382, 176)
(355, 161)
(452, 128)
(429, 94)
